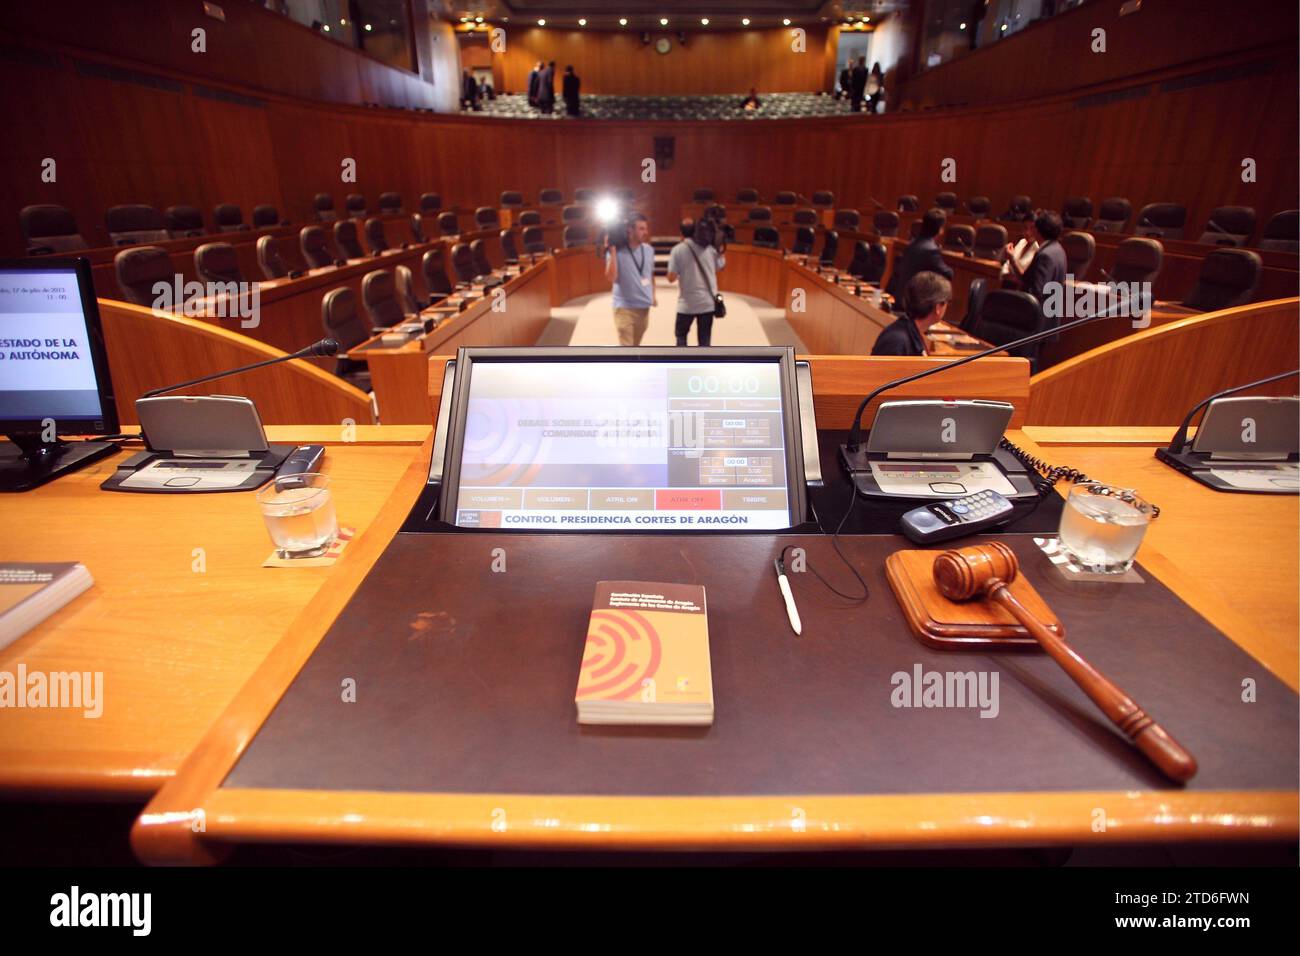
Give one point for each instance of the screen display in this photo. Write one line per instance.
(46, 366)
(599, 446)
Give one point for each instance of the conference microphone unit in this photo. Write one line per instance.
(854, 456)
(1180, 437)
(325, 347)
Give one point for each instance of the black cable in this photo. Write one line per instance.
(835, 543)
(1046, 476)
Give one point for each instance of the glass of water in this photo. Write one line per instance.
(1102, 527)
(299, 514)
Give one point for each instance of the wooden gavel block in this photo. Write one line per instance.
(986, 571)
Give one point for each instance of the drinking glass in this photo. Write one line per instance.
(299, 515)
(1102, 527)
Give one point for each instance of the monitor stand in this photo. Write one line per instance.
(26, 461)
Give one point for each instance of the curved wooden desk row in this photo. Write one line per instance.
(1154, 376)
(397, 230)
(149, 349)
(1179, 268)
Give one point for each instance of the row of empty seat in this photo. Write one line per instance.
(49, 229)
(703, 107)
(1225, 226)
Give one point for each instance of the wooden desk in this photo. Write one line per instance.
(290, 309)
(165, 832)
(1247, 568)
(175, 629)
(518, 316)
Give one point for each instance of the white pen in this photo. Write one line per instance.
(790, 609)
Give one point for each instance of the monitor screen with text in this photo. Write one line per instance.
(47, 367)
(624, 445)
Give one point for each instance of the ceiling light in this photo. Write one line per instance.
(541, 23)
(326, 27)
(368, 28)
(745, 22)
(622, 21)
(786, 21)
(704, 21)
(963, 26)
(1004, 26)
(476, 20)
(582, 21)
(663, 21)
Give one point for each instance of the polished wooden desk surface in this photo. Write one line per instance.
(175, 637)
(1240, 549)
(166, 832)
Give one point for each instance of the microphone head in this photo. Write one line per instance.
(325, 347)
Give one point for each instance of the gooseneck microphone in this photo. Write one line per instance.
(850, 448)
(324, 347)
(1180, 437)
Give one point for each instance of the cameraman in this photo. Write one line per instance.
(696, 261)
(630, 266)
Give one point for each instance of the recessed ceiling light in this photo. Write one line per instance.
(582, 21)
(786, 21)
(704, 21)
(369, 28)
(541, 23)
(1004, 26)
(343, 23)
(663, 21)
(326, 27)
(963, 25)
(745, 22)
(622, 21)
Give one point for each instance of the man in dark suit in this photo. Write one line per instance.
(858, 83)
(846, 81)
(926, 299)
(534, 84)
(468, 91)
(546, 89)
(572, 87)
(922, 255)
(1049, 264)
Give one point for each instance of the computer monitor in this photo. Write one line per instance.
(624, 439)
(53, 371)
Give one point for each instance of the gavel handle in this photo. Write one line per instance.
(1148, 736)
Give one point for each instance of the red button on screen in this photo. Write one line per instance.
(675, 500)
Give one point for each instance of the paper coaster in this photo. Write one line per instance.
(336, 549)
(1052, 548)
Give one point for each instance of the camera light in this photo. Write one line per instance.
(606, 210)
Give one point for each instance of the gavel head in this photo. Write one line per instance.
(971, 572)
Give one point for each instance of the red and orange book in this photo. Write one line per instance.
(646, 660)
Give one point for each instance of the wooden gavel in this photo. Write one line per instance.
(986, 570)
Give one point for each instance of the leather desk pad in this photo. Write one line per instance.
(465, 680)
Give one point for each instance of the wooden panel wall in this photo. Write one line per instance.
(725, 61)
(253, 47)
(117, 141)
(1056, 54)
